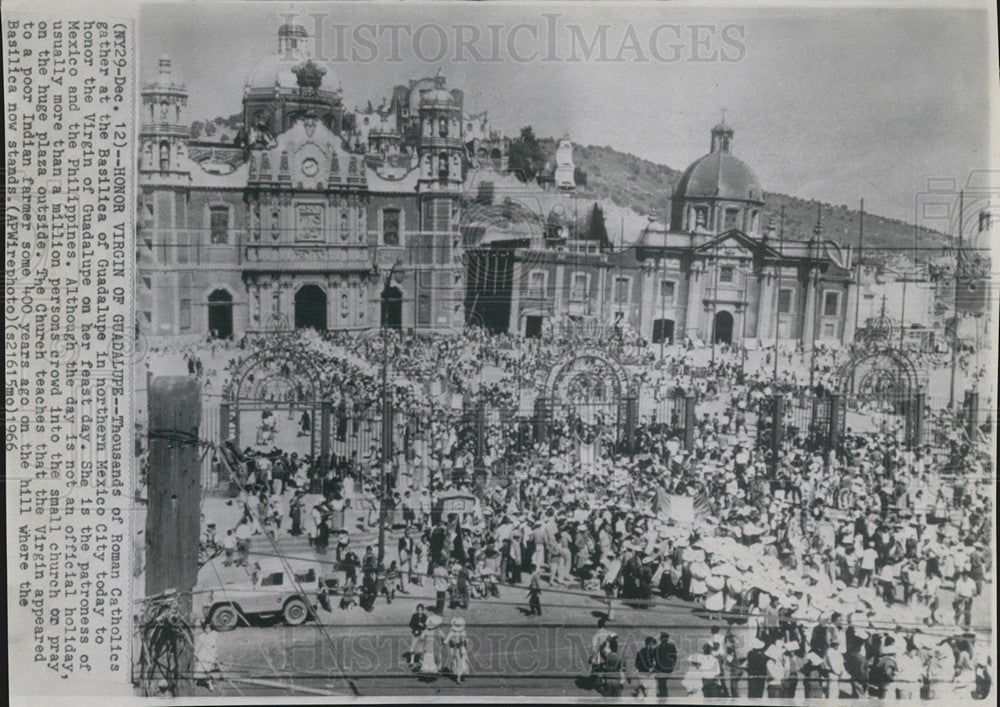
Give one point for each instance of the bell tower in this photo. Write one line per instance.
(163, 135)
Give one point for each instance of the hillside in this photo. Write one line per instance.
(635, 184)
(645, 186)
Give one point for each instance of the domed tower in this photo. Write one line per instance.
(164, 132)
(440, 150)
(289, 85)
(440, 146)
(718, 192)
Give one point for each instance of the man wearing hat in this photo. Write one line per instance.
(756, 669)
(645, 665)
(882, 674)
(666, 659)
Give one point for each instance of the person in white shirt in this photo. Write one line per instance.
(965, 590)
(909, 674)
(867, 569)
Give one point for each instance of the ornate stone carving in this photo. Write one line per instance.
(309, 222)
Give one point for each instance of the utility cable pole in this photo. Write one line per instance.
(954, 328)
(387, 419)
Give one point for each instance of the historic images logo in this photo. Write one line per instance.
(549, 38)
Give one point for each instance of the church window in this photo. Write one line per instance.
(831, 304)
(443, 127)
(579, 289)
(730, 221)
(726, 273)
(443, 169)
(424, 309)
(784, 301)
(622, 286)
(536, 284)
(390, 226)
(667, 293)
(185, 314)
(219, 222)
(985, 221)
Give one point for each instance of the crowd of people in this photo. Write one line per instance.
(855, 565)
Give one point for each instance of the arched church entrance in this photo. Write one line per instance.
(310, 308)
(392, 308)
(220, 314)
(723, 328)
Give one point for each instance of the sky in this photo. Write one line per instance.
(826, 103)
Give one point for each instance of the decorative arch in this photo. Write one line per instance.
(589, 391)
(272, 367)
(587, 362)
(879, 373)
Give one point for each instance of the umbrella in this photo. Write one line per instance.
(716, 582)
(699, 570)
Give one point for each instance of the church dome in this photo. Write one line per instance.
(719, 175)
(278, 70)
(436, 95)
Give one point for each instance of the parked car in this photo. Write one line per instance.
(271, 591)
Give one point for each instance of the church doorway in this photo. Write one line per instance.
(533, 327)
(310, 308)
(392, 308)
(723, 329)
(220, 315)
(663, 331)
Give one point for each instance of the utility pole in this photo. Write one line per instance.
(173, 521)
(954, 328)
(861, 247)
(387, 419)
(902, 306)
(817, 231)
(715, 295)
(777, 292)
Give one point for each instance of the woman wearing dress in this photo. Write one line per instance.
(458, 648)
(429, 649)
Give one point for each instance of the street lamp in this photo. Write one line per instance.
(387, 417)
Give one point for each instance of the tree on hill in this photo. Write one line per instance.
(579, 177)
(526, 157)
(596, 227)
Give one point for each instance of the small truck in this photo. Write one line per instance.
(271, 591)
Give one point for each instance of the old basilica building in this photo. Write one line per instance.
(404, 215)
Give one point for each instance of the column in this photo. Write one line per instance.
(559, 298)
(517, 273)
(850, 321)
(692, 318)
(765, 304)
(809, 315)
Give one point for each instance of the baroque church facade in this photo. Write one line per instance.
(317, 216)
(308, 217)
(714, 273)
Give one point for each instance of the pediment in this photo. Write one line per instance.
(735, 244)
